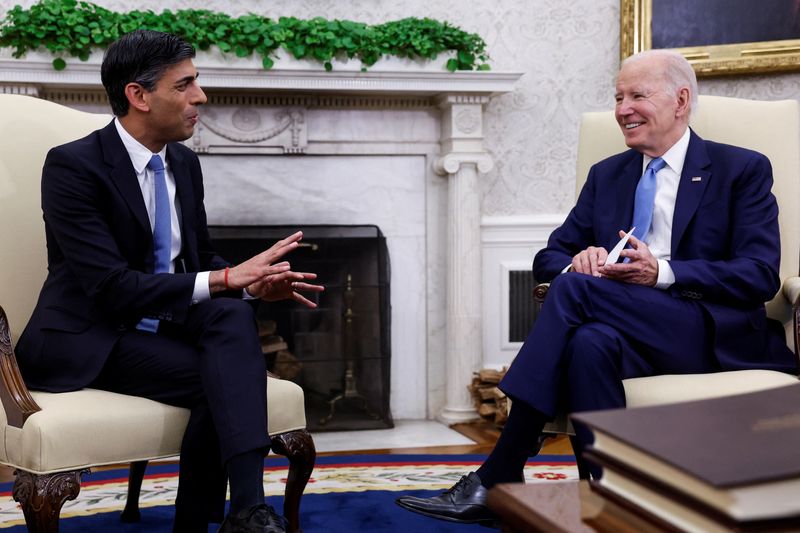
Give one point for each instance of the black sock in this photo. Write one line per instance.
(517, 440)
(246, 477)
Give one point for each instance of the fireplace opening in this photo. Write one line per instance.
(340, 352)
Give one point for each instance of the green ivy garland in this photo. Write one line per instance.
(75, 28)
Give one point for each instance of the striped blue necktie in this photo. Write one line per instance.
(162, 230)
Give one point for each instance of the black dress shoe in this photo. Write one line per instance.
(257, 519)
(463, 502)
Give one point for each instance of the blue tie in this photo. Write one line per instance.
(162, 231)
(645, 199)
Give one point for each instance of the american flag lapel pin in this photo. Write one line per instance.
(697, 178)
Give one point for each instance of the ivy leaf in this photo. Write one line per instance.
(267, 62)
(452, 64)
(59, 63)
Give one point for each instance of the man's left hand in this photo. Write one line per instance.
(286, 286)
(641, 269)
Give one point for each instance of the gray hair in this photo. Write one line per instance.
(677, 72)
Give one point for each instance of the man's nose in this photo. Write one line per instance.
(624, 107)
(199, 97)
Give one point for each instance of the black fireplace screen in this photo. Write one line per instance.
(340, 352)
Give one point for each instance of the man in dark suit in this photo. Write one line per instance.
(136, 301)
(687, 298)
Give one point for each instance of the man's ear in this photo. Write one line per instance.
(684, 101)
(137, 97)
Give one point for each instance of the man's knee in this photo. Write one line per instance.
(594, 346)
(568, 289)
(224, 310)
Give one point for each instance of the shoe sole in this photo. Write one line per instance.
(485, 522)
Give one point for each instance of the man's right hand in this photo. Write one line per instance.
(588, 261)
(256, 268)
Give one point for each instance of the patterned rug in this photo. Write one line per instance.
(358, 490)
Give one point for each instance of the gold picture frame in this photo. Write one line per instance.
(636, 23)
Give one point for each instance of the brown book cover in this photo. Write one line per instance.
(642, 492)
(725, 442)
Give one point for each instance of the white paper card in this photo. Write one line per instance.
(613, 255)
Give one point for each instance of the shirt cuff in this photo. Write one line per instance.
(247, 296)
(666, 276)
(566, 268)
(202, 291)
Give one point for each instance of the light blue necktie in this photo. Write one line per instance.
(645, 199)
(162, 230)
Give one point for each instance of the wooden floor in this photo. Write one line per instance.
(483, 433)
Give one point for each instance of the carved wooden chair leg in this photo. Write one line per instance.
(298, 447)
(131, 512)
(41, 497)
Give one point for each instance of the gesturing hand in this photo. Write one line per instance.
(256, 268)
(286, 285)
(641, 269)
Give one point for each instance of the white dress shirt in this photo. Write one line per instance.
(140, 155)
(659, 236)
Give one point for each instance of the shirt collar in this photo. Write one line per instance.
(140, 155)
(675, 156)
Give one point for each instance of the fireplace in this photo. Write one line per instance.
(400, 146)
(340, 353)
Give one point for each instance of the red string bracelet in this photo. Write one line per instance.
(227, 269)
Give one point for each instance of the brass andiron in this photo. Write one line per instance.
(350, 389)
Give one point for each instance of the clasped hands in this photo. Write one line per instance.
(642, 268)
(267, 279)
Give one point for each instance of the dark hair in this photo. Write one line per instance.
(141, 56)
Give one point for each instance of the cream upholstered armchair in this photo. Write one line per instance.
(772, 128)
(52, 439)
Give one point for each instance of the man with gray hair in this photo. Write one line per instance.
(686, 296)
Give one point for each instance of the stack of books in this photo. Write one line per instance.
(725, 464)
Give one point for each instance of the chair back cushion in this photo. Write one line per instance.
(772, 128)
(30, 127)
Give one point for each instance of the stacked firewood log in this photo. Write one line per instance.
(490, 401)
(286, 365)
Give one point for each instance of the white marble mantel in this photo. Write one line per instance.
(388, 76)
(403, 125)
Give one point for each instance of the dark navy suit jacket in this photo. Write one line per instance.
(725, 249)
(99, 253)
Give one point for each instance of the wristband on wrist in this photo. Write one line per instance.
(227, 269)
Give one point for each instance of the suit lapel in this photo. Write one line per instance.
(186, 198)
(626, 191)
(693, 183)
(124, 176)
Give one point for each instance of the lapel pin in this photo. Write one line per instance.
(697, 178)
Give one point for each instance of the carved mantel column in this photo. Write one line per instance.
(463, 157)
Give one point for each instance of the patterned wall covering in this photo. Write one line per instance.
(567, 50)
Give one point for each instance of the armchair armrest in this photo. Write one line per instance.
(791, 290)
(17, 400)
(540, 292)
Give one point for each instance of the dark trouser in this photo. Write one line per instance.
(593, 332)
(212, 365)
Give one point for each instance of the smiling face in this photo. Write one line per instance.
(172, 106)
(651, 114)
